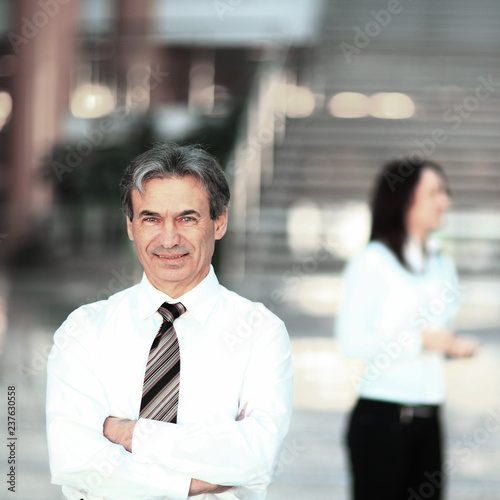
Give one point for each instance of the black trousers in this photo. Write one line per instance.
(394, 456)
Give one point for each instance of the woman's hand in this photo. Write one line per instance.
(463, 348)
(446, 342)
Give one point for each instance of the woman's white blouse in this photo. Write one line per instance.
(383, 312)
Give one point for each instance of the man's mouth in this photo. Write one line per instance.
(171, 257)
(170, 254)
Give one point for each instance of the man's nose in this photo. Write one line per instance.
(169, 235)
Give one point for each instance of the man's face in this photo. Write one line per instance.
(173, 234)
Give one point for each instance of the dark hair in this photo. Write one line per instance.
(391, 199)
(166, 160)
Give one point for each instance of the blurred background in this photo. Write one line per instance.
(301, 101)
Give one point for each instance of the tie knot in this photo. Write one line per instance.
(171, 312)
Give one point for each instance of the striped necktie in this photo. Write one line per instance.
(160, 393)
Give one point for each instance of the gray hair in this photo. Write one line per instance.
(167, 160)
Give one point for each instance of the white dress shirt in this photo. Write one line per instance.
(233, 353)
(384, 310)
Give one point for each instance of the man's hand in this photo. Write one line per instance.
(243, 413)
(119, 431)
(199, 487)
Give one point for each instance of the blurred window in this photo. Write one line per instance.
(6, 18)
(250, 22)
(97, 16)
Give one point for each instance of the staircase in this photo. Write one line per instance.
(445, 56)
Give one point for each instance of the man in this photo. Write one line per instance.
(225, 415)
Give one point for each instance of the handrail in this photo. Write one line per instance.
(252, 160)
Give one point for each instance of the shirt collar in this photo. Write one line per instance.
(417, 256)
(414, 255)
(199, 301)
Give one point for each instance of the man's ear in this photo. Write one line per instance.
(130, 231)
(221, 225)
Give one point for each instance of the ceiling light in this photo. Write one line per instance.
(92, 101)
(391, 105)
(348, 105)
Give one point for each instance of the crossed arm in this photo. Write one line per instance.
(121, 431)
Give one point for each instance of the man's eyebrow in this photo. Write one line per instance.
(184, 213)
(148, 213)
(189, 212)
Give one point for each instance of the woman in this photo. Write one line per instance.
(399, 301)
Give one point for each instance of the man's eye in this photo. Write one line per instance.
(187, 219)
(150, 219)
